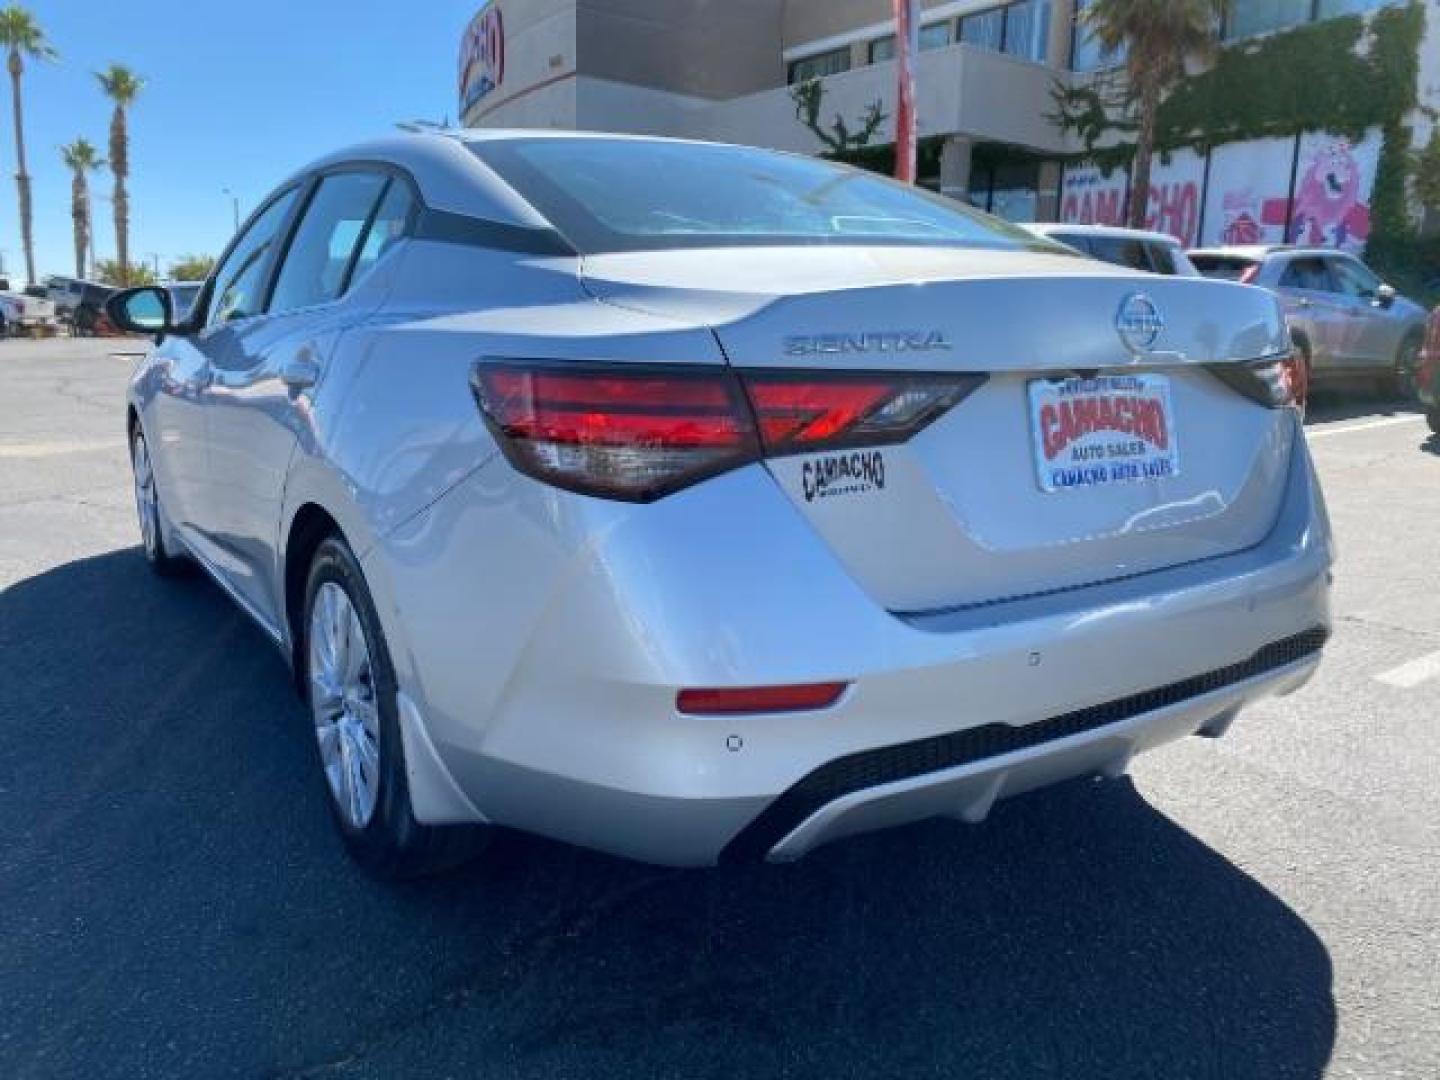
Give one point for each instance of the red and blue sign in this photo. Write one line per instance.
(482, 56)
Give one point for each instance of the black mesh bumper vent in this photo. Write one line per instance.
(871, 768)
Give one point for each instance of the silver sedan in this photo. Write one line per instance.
(695, 502)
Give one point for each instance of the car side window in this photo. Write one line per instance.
(318, 259)
(389, 226)
(1354, 280)
(241, 277)
(1120, 251)
(1309, 274)
(1162, 259)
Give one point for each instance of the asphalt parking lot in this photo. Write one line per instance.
(173, 902)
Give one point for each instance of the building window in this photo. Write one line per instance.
(1087, 54)
(1027, 29)
(820, 65)
(1328, 9)
(1019, 29)
(1263, 16)
(984, 30)
(934, 36)
(1007, 190)
(1248, 17)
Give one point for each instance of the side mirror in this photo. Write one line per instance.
(146, 310)
(1385, 296)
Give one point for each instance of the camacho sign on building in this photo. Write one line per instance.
(482, 56)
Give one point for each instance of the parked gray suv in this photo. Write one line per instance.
(1347, 323)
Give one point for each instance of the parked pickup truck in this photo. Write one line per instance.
(20, 312)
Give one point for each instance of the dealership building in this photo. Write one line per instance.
(727, 70)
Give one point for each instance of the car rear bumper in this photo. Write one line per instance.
(896, 784)
(563, 720)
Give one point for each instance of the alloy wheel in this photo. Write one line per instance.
(147, 503)
(343, 704)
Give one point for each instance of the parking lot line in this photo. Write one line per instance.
(1388, 421)
(1410, 675)
(51, 449)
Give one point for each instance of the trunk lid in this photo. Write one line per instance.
(971, 509)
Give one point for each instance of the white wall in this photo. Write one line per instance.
(606, 105)
(960, 90)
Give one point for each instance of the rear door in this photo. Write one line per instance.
(259, 401)
(1313, 303)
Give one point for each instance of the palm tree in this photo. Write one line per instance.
(1157, 36)
(22, 36)
(82, 159)
(122, 86)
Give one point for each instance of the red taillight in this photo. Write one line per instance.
(759, 699)
(605, 430)
(638, 432)
(801, 412)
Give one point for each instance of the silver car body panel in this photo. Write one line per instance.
(539, 637)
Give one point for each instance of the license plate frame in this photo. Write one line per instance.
(1103, 430)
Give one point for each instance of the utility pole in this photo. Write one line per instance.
(155, 263)
(234, 206)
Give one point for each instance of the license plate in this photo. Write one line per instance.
(1111, 429)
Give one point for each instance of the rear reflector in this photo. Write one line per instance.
(640, 431)
(759, 699)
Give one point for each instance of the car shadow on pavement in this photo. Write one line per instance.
(1334, 403)
(176, 904)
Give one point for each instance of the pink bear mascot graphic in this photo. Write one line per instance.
(1328, 211)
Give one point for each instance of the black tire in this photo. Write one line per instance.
(152, 538)
(392, 845)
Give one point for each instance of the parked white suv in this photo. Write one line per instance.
(1139, 249)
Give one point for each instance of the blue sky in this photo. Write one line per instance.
(238, 95)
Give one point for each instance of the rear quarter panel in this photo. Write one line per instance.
(393, 425)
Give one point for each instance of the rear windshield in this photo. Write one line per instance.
(1224, 267)
(635, 195)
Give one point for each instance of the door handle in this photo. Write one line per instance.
(300, 372)
(1302, 302)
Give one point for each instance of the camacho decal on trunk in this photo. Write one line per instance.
(852, 473)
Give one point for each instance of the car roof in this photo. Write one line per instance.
(1259, 252)
(1050, 228)
(448, 175)
(451, 177)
